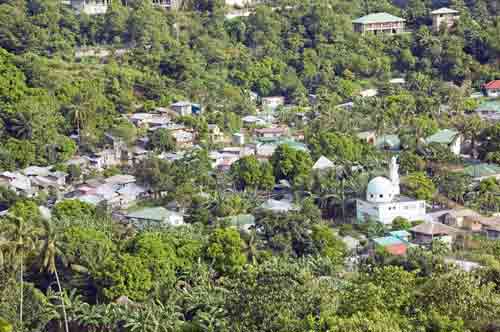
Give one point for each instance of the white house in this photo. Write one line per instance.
(384, 203)
(492, 88)
(272, 103)
(90, 7)
(323, 163)
(444, 17)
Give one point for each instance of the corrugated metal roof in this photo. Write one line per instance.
(378, 18)
(154, 213)
(387, 241)
(397, 249)
(444, 10)
(444, 136)
(400, 234)
(481, 170)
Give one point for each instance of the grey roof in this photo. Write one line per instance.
(444, 10)
(378, 18)
(91, 199)
(132, 189)
(154, 214)
(36, 170)
(279, 206)
(433, 229)
(120, 179)
(181, 104)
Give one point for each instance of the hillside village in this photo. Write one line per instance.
(154, 169)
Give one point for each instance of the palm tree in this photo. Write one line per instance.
(49, 251)
(78, 117)
(21, 125)
(19, 240)
(471, 128)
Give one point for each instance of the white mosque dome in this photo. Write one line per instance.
(380, 190)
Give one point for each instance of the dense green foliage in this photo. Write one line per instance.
(287, 272)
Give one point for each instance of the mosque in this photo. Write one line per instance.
(384, 203)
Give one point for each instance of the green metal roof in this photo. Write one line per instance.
(378, 18)
(481, 170)
(241, 220)
(400, 234)
(444, 136)
(490, 105)
(392, 141)
(280, 141)
(154, 214)
(387, 241)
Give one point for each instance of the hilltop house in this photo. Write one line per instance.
(167, 4)
(379, 23)
(492, 88)
(90, 7)
(444, 17)
(450, 138)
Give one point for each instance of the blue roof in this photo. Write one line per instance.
(400, 234)
(387, 241)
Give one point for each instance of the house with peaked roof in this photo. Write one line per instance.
(483, 171)
(444, 17)
(489, 110)
(426, 233)
(90, 7)
(379, 23)
(323, 163)
(448, 137)
(154, 216)
(492, 89)
(17, 182)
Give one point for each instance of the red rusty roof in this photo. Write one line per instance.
(493, 85)
(396, 249)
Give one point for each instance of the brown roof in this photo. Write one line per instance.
(433, 229)
(463, 213)
(492, 223)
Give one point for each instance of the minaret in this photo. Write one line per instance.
(394, 175)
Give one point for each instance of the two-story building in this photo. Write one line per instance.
(90, 7)
(444, 18)
(379, 23)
